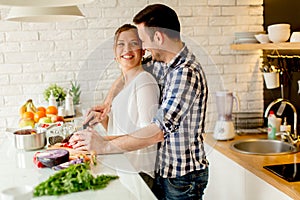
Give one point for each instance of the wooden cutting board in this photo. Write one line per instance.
(71, 151)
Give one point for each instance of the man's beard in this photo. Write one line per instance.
(156, 56)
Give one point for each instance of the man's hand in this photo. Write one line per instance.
(88, 140)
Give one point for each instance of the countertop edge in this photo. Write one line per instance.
(255, 163)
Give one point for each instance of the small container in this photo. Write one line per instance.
(262, 38)
(17, 193)
(69, 109)
(61, 111)
(295, 37)
(271, 79)
(30, 139)
(285, 127)
(52, 100)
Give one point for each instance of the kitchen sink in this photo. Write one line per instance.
(263, 147)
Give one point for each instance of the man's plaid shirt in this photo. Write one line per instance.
(181, 115)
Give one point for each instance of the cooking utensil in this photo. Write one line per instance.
(86, 125)
(27, 140)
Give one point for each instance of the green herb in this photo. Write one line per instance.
(75, 178)
(58, 93)
(75, 92)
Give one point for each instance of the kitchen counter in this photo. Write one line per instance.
(17, 168)
(255, 163)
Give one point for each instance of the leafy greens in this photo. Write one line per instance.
(75, 178)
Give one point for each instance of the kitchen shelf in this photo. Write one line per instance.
(267, 46)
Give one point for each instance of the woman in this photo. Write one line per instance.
(137, 102)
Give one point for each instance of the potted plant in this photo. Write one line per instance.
(76, 92)
(58, 93)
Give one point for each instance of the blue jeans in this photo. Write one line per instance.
(187, 187)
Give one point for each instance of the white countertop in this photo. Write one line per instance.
(17, 168)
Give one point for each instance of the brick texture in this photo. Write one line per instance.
(35, 55)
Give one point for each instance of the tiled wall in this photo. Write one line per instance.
(35, 55)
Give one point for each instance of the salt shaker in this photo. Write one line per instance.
(69, 107)
(61, 111)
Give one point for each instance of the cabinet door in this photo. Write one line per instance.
(258, 189)
(226, 178)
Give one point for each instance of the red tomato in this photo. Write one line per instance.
(67, 144)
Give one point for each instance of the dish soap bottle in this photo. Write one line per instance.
(52, 100)
(271, 126)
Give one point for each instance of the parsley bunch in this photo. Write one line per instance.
(75, 178)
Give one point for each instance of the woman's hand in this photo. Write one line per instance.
(96, 114)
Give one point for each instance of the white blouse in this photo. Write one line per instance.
(133, 108)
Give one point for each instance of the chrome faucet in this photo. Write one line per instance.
(295, 135)
(287, 136)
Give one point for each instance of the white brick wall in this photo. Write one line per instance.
(34, 55)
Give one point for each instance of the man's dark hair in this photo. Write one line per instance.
(159, 17)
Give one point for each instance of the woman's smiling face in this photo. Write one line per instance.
(128, 49)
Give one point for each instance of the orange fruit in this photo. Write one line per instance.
(52, 110)
(38, 115)
(28, 115)
(41, 108)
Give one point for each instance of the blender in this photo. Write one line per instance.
(224, 128)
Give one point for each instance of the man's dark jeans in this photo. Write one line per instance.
(187, 187)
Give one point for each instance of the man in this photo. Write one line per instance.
(181, 165)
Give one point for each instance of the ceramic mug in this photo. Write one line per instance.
(17, 193)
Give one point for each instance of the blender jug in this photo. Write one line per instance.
(224, 129)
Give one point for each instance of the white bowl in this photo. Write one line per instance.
(279, 35)
(262, 38)
(17, 193)
(295, 37)
(279, 26)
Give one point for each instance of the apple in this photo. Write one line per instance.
(26, 122)
(45, 120)
(55, 118)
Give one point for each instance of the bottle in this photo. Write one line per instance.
(52, 100)
(61, 111)
(69, 107)
(285, 127)
(272, 126)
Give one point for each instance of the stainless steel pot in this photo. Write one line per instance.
(24, 139)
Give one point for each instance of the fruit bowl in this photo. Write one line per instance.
(30, 139)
